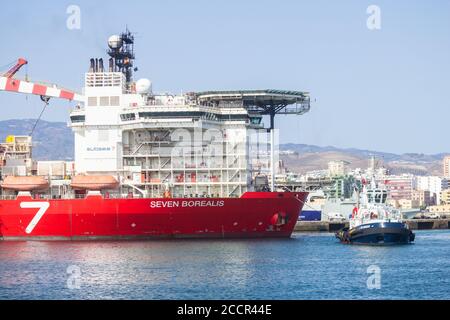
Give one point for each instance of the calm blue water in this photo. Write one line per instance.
(309, 266)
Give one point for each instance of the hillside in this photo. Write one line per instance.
(54, 140)
(51, 140)
(310, 157)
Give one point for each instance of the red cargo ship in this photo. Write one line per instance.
(255, 214)
(148, 165)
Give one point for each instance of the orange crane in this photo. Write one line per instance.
(20, 62)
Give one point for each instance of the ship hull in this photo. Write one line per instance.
(254, 215)
(389, 233)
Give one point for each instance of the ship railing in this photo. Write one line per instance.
(111, 196)
(76, 196)
(124, 196)
(121, 196)
(8, 197)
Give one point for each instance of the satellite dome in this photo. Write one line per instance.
(115, 42)
(143, 86)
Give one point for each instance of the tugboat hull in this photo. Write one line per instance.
(381, 233)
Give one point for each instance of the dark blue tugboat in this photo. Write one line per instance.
(373, 222)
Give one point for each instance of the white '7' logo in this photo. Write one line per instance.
(42, 206)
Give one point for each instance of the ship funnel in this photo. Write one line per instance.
(100, 65)
(92, 66)
(111, 65)
(96, 65)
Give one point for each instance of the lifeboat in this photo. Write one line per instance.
(30, 183)
(94, 182)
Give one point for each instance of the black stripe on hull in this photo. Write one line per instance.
(390, 233)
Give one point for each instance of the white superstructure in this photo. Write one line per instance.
(151, 141)
(193, 144)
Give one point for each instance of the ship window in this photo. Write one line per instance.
(77, 119)
(104, 101)
(255, 120)
(92, 101)
(128, 117)
(377, 197)
(115, 101)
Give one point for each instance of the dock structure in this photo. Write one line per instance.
(310, 185)
(327, 226)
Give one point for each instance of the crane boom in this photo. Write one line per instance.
(11, 72)
(21, 86)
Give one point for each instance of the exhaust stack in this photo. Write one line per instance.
(92, 66)
(100, 65)
(111, 65)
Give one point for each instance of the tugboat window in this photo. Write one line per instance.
(377, 197)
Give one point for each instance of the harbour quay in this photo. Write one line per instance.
(333, 226)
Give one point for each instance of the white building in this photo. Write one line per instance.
(433, 184)
(337, 168)
(446, 166)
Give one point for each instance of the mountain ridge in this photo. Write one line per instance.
(51, 140)
(55, 141)
(409, 156)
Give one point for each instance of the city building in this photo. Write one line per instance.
(433, 184)
(337, 168)
(446, 166)
(341, 188)
(393, 203)
(375, 168)
(445, 183)
(422, 197)
(408, 204)
(400, 187)
(441, 209)
(445, 196)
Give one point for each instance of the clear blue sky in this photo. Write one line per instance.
(385, 90)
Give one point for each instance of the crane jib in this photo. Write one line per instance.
(21, 86)
(11, 72)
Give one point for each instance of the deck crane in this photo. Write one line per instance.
(45, 91)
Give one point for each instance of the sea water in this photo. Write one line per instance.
(307, 266)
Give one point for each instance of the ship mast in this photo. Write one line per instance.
(121, 51)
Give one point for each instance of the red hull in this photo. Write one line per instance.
(255, 214)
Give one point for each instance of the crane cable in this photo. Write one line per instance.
(45, 100)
